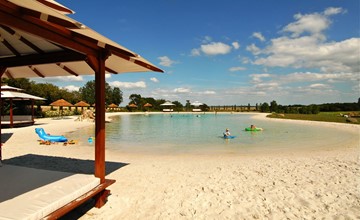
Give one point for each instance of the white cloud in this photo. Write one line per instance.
(128, 85)
(319, 86)
(309, 23)
(236, 45)
(155, 80)
(207, 39)
(208, 92)
(253, 49)
(72, 88)
(182, 90)
(166, 61)
(67, 78)
(256, 78)
(308, 52)
(215, 48)
(333, 11)
(107, 75)
(237, 68)
(195, 52)
(259, 36)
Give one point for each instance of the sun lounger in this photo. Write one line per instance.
(28, 193)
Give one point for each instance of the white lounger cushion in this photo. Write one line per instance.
(49, 191)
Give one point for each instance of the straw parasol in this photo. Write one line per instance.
(82, 104)
(132, 105)
(148, 105)
(112, 105)
(61, 103)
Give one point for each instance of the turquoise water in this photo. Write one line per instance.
(191, 133)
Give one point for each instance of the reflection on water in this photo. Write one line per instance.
(172, 133)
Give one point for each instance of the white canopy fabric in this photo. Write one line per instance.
(196, 103)
(167, 104)
(19, 96)
(9, 92)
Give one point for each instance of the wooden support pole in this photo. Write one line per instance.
(2, 71)
(98, 65)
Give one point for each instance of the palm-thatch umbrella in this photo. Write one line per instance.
(82, 104)
(61, 103)
(133, 105)
(112, 105)
(148, 105)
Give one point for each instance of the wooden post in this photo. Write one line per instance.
(2, 71)
(100, 120)
(98, 65)
(11, 114)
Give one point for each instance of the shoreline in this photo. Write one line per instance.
(309, 184)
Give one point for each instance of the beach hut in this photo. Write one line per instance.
(167, 106)
(196, 105)
(113, 106)
(61, 103)
(15, 94)
(81, 104)
(40, 40)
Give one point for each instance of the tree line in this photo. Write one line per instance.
(308, 109)
(115, 96)
(52, 92)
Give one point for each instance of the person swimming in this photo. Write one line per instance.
(227, 133)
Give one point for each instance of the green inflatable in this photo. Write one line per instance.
(253, 129)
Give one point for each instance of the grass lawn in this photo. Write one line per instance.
(322, 116)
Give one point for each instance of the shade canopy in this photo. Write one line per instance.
(196, 103)
(167, 104)
(112, 105)
(38, 40)
(133, 105)
(45, 43)
(8, 92)
(82, 104)
(148, 105)
(61, 102)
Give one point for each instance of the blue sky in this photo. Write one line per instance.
(232, 52)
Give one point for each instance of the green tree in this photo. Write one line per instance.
(116, 96)
(135, 99)
(273, 106)
(88, 92)
(265, 107)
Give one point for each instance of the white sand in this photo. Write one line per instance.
(306, 185)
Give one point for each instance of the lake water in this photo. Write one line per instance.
(192, 133)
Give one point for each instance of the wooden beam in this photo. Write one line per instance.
(77, 202)
(56, 7)
(22, 39)
(8, 74)
(67, 69)
(110, 70)
(37, 72)
(36, 59)
(60, 35)
(11, 48)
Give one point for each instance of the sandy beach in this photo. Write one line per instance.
(308, 185)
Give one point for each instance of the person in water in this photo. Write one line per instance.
(252, 127)
(227, 133)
